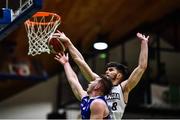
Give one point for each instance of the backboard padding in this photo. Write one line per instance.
(32, 7)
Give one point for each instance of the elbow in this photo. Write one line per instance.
(77, 60)
(143, 66)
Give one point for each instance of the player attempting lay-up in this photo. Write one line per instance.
(93, 103)
(122, 85)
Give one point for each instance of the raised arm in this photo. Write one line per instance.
(71, 76)
(136, 75)
(77, 57)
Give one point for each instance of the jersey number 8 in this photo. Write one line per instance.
(114, 106)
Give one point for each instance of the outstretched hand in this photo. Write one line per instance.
(61, 36)
(142, 37)
(62, 58)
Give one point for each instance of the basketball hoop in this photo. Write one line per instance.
(40, 28)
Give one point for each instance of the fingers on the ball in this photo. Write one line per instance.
(56, 34)
(58, 31)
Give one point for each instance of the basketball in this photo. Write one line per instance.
(55, 45)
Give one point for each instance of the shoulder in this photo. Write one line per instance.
(98, 104)
(85, 97)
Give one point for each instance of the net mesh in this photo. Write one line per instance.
(40, 29)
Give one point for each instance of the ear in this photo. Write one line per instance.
(119, 76)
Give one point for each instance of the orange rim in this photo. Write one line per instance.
(43, 14)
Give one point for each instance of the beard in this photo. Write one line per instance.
(113, 77)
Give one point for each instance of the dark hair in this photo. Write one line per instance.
(106, 84)
(120, 67)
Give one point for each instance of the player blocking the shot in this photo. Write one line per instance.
(122, 84)
(93, 104)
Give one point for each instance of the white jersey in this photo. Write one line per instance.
(116, 104)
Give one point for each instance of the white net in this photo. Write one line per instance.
(40, 28)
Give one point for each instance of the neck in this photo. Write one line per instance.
(116, 82)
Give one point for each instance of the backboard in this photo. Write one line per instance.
(15, 12)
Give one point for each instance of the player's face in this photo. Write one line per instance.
(112, 72)
(92, 85)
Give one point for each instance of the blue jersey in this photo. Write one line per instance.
(85, 106)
